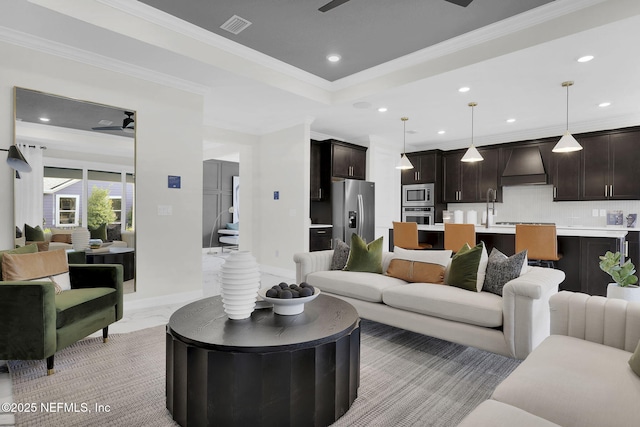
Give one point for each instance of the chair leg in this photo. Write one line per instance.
(105, 334)
(50, 370)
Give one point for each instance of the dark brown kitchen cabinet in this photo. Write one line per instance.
(319, 239)
(609, 166)
(566, 175)
(348, 161)
(593, 280)
(425, 168)
(469, 182)
(320, 172)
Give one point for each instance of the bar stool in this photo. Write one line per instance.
(540, 241)
(405, 236)
(456, 235)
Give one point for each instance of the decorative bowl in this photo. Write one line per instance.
(288, 307)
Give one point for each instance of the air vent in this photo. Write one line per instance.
(235, 24)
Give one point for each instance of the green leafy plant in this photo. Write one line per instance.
(99, 209)
(622, 274)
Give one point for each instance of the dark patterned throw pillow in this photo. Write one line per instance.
(340, 255)
(502, 269)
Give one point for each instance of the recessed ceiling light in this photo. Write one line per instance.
(585, 58)
(604, 104)
(333, 57)
(382, 109)
(464, 89)
(441, 132)
(511, 120)
(44, 119)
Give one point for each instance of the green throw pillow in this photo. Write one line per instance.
(463, 272)
(33, 234)
(363, 257)
(634, 362)
(27, 249)
(99, 233)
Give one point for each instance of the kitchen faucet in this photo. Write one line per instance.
(493, 207)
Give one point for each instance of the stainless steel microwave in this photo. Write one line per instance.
(418, 195)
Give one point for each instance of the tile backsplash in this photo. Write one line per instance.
(534, 203)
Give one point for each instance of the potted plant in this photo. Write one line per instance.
(623, 274)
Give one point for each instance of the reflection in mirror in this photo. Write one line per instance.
(83, 177)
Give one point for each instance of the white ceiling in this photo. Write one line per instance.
(514, 69)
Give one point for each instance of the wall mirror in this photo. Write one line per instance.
(82, 156)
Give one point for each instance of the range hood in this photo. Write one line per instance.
(524, 167)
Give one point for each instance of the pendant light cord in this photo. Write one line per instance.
(567, 108)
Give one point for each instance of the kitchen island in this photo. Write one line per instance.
(579, 246)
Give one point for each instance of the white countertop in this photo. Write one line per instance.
(320, 226)
(576, 231)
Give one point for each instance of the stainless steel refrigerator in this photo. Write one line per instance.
(353, 209)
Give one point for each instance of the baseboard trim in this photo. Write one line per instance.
(182, 297)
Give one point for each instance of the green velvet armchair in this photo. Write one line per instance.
(36, 323)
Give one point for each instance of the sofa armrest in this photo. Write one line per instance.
(611, 322)
(309, 262)
(525, 307)
(99, 276)
(28, 319)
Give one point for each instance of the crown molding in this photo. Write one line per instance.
(50, 47)
(158, 17)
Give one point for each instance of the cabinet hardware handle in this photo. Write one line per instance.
(321, 232)
(611, 190)
(319, 193)
(626, 249)
(605, 190)
(555, 192)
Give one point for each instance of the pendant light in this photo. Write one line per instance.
(567, 143)
(16, 160)
(472, 154)
(404, 163)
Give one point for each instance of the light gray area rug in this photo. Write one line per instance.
(406, 379)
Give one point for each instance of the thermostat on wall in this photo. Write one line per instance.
(174, 181)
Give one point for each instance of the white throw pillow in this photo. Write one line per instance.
(440, 257)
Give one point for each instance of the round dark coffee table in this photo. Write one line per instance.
(268, 370)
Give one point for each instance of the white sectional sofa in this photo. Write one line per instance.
(511, 325)
(579, 376)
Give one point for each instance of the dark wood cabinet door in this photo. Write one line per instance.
(358, 163)
(451, 176)
(624, 158)
(427, 168)
(315, 192)
(595, 167)
(341, 161)
(594, 281)
(319, 239)
(488, 174)
(566, 175)
(469, 182)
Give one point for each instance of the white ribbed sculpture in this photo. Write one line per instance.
(239, 284)
(80, 239)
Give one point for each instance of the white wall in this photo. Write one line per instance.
(281, 163)
(169, 142)
(381, 161)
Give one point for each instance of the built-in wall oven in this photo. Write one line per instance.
(420, 214)
(417, 195)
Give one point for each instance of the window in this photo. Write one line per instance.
(116, 206)
(67, 210)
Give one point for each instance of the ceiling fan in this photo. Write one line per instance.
(336, 3)
(128, 124)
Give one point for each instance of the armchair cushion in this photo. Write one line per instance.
(634, 361)
(78, 304)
